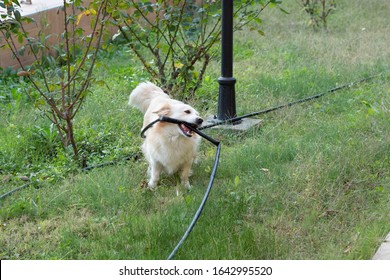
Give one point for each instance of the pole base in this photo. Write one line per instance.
(226, 98)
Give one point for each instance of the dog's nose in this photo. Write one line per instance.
(199, 121)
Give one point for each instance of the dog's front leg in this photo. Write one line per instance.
(185, 174)
(155, 170)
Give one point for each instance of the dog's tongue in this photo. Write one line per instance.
(186, 130)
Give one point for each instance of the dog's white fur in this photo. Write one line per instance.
(166, 147)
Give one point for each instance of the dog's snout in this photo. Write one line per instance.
(199, 121)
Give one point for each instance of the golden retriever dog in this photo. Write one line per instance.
(168, 146)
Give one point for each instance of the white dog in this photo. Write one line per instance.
(167, 146)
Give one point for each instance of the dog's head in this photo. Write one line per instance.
(182, 112)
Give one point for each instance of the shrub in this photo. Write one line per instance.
(61, 74)
(174, 39)
(319, 10)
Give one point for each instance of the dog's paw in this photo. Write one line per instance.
(187, 185)
(152, 185)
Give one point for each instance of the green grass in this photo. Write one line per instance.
(311, 182)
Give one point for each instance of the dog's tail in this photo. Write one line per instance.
(143, 94)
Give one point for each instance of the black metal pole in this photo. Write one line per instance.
(227, 94)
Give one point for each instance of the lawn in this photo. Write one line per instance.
(310, 182)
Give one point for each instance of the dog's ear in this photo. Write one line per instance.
(164, 110)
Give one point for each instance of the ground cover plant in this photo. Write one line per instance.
(311, 182)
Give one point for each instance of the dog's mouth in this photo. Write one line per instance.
(186, 129)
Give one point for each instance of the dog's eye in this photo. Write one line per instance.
(187, 111)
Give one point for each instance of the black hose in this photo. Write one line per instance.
(201, 206)
(14, 190)
(237, 119)
(134, 156)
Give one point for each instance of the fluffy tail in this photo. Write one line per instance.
(143, 94)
